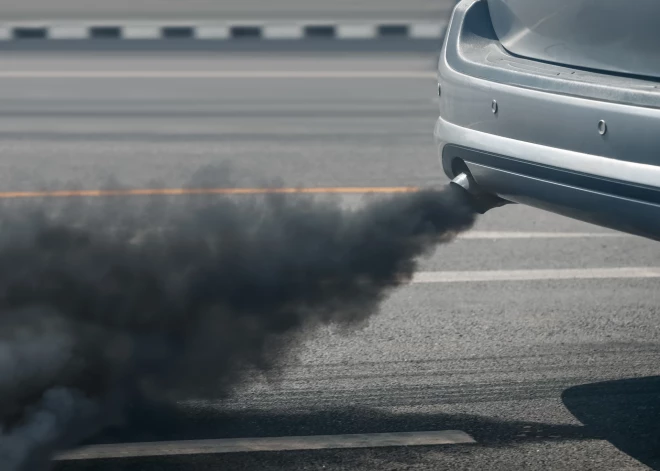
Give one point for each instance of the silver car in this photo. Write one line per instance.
(556, 104)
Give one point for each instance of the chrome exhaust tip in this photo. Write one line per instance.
(480, 201)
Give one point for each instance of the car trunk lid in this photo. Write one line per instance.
(618, 36)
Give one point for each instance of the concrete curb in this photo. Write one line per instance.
(229, 31)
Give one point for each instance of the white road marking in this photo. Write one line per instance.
(212, 32)
(356, 31)
(141, 32)
(427, 30)
(534, 275)
(210, 29)
(283, 32)
(485, 235)
(238, 445)
(217, 74)
(68, 32)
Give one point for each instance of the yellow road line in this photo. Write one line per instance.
(203, 191)
(537, 274)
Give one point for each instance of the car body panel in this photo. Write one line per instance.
(546, 116)
(614, 35)
(605, 202)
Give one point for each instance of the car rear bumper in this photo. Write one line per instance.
(541, 126)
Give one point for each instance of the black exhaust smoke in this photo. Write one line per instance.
(102, 303)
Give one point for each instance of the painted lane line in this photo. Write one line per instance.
(356, 31)
(472, 235)
(283, 32)
(141, 32)
(68, 32)
(214, 74)
(242, 445)
(535, 275)
(490, 235)
(212, 32)
(204, 191)
(427, 30)
(223, 30)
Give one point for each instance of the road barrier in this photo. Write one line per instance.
(222, 31)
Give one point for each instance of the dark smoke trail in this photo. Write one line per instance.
(102, 304)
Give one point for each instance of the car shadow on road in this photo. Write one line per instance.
(163, 423)
(624, 412)
(150, 422)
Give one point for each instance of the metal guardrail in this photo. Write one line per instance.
(228, 31)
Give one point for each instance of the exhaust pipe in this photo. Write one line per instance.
(478, 199)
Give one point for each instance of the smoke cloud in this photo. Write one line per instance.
(107, 301)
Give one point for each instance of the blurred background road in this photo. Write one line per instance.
(544, 374)
(222, 10)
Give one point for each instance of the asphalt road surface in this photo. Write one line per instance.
(13, 10)
(543, 372)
